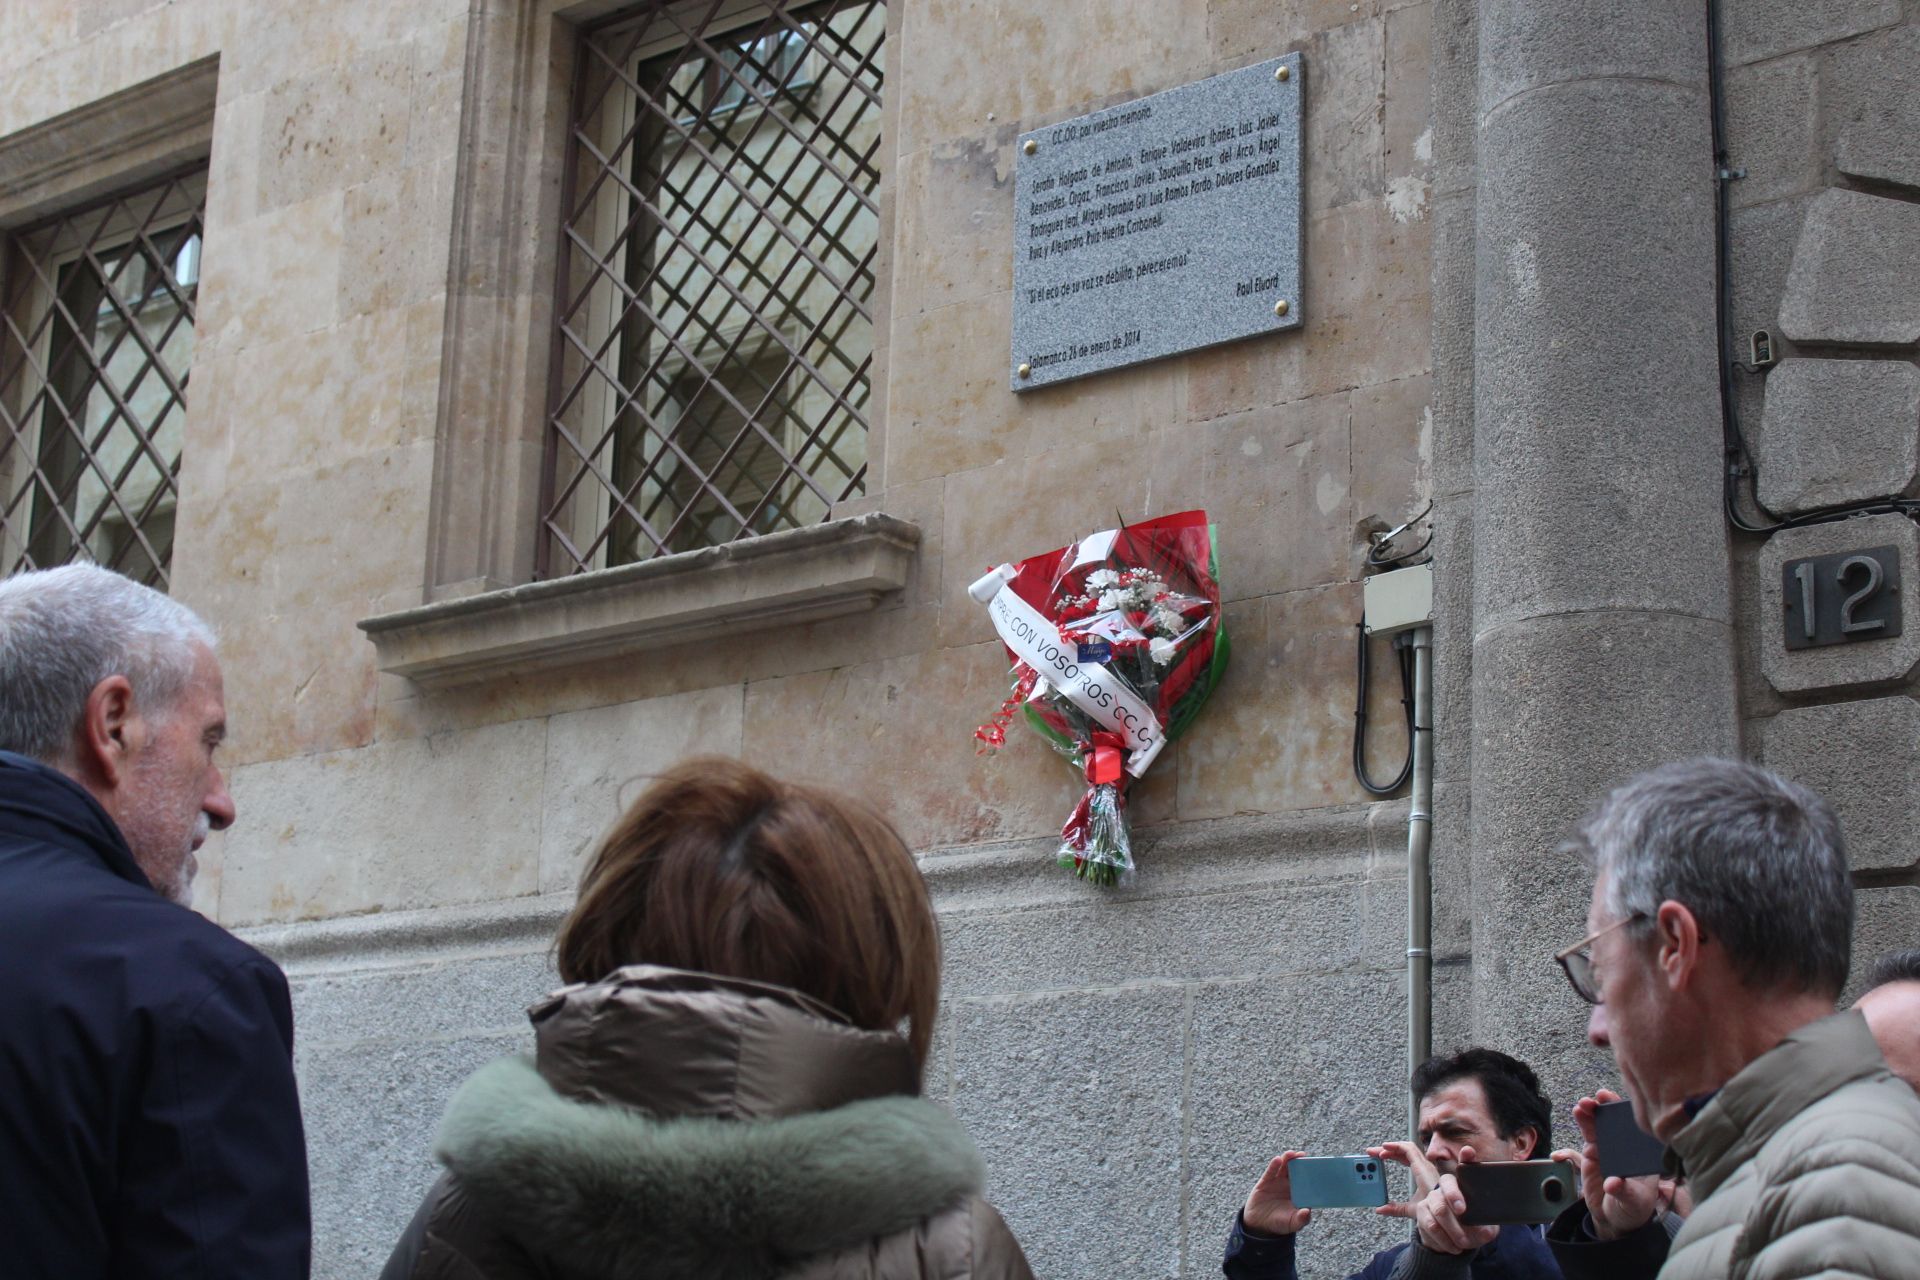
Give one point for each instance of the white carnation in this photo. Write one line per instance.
(1102, 578)
(1160, 649)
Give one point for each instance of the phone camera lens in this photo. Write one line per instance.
(1360, 1166)
(1371, 1166)
(1552, 1190)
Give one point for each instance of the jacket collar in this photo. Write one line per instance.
(612, 1191)
(1805, 1067)
(39, 802)
(671, 1042)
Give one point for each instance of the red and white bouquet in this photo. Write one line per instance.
(1116, 643)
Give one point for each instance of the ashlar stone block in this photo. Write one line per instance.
(1246, 28)
(600, 759)
(1345, 125)
(1075, 1100)
(902, 726)
(1863, 662)
(1040, 73)
(1272, 931)
(1763, 240)
(1311, 1061)
(955, 221)
(1757, 29)
(1539, 43)
(371, 1111)
(1774, 131)
(1886, 919)
(1278, 732)
(396, 825)
(1876, 84)
(1838, 430)
(1856, 272)
(1864, 757)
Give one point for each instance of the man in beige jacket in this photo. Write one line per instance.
(1717, 943)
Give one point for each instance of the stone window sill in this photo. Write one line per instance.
(801, 575)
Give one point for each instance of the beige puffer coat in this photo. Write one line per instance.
(680, 1126)
(1806, 1164)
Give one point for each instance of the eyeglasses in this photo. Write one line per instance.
(1577, 960)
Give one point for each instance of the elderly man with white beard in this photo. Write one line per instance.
(149, 1124)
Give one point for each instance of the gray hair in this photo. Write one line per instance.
(63, 631)
(1894, 966)
(1758, 860)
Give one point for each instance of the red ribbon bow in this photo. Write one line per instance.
(1103, 759)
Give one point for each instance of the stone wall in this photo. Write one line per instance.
(364, 437)
(364, 426)
(1823, 109)
(1589, 587)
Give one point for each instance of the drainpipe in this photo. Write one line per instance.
(1400, 603)
(1419, 870)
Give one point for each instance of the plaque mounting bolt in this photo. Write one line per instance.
(1029, 146)
(1283, 74)
(1025, 370)
(1281, 307)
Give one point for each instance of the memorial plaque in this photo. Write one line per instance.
(1162, 225)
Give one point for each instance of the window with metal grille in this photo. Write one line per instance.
(714, 328)
(96, 339)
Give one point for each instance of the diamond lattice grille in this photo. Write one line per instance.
(714, 338)
(96, 340)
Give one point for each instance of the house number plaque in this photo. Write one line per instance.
(1841, 598)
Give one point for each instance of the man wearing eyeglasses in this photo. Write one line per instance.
(1717, 943)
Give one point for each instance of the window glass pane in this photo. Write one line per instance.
(715, 337)
(96, 342)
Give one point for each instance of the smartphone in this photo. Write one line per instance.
(1509, 1191)
(1626, 1150)
(1338, 1182)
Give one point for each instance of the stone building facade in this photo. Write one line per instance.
(1509, 310)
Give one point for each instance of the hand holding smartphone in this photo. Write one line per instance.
(1626, 1150)
(1338, 1182)
(1516, 1191)
(1621, 1167)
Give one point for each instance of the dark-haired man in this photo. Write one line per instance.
(1478, 1104)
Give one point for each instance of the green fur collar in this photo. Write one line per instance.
(606, 1190)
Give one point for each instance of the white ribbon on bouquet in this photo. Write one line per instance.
(1105, 698)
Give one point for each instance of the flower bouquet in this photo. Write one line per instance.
(1116, 643)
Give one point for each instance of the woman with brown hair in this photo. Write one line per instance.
(724, 1088)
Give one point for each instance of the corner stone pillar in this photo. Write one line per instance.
(1601, 633)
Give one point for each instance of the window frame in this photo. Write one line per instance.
(36, 258)
(578, 519)
(483, 612)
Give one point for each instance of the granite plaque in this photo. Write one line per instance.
(1161, 225)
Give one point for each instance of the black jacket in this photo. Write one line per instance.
(148, 1120)
(1517, 1253)
(1582, 1255)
